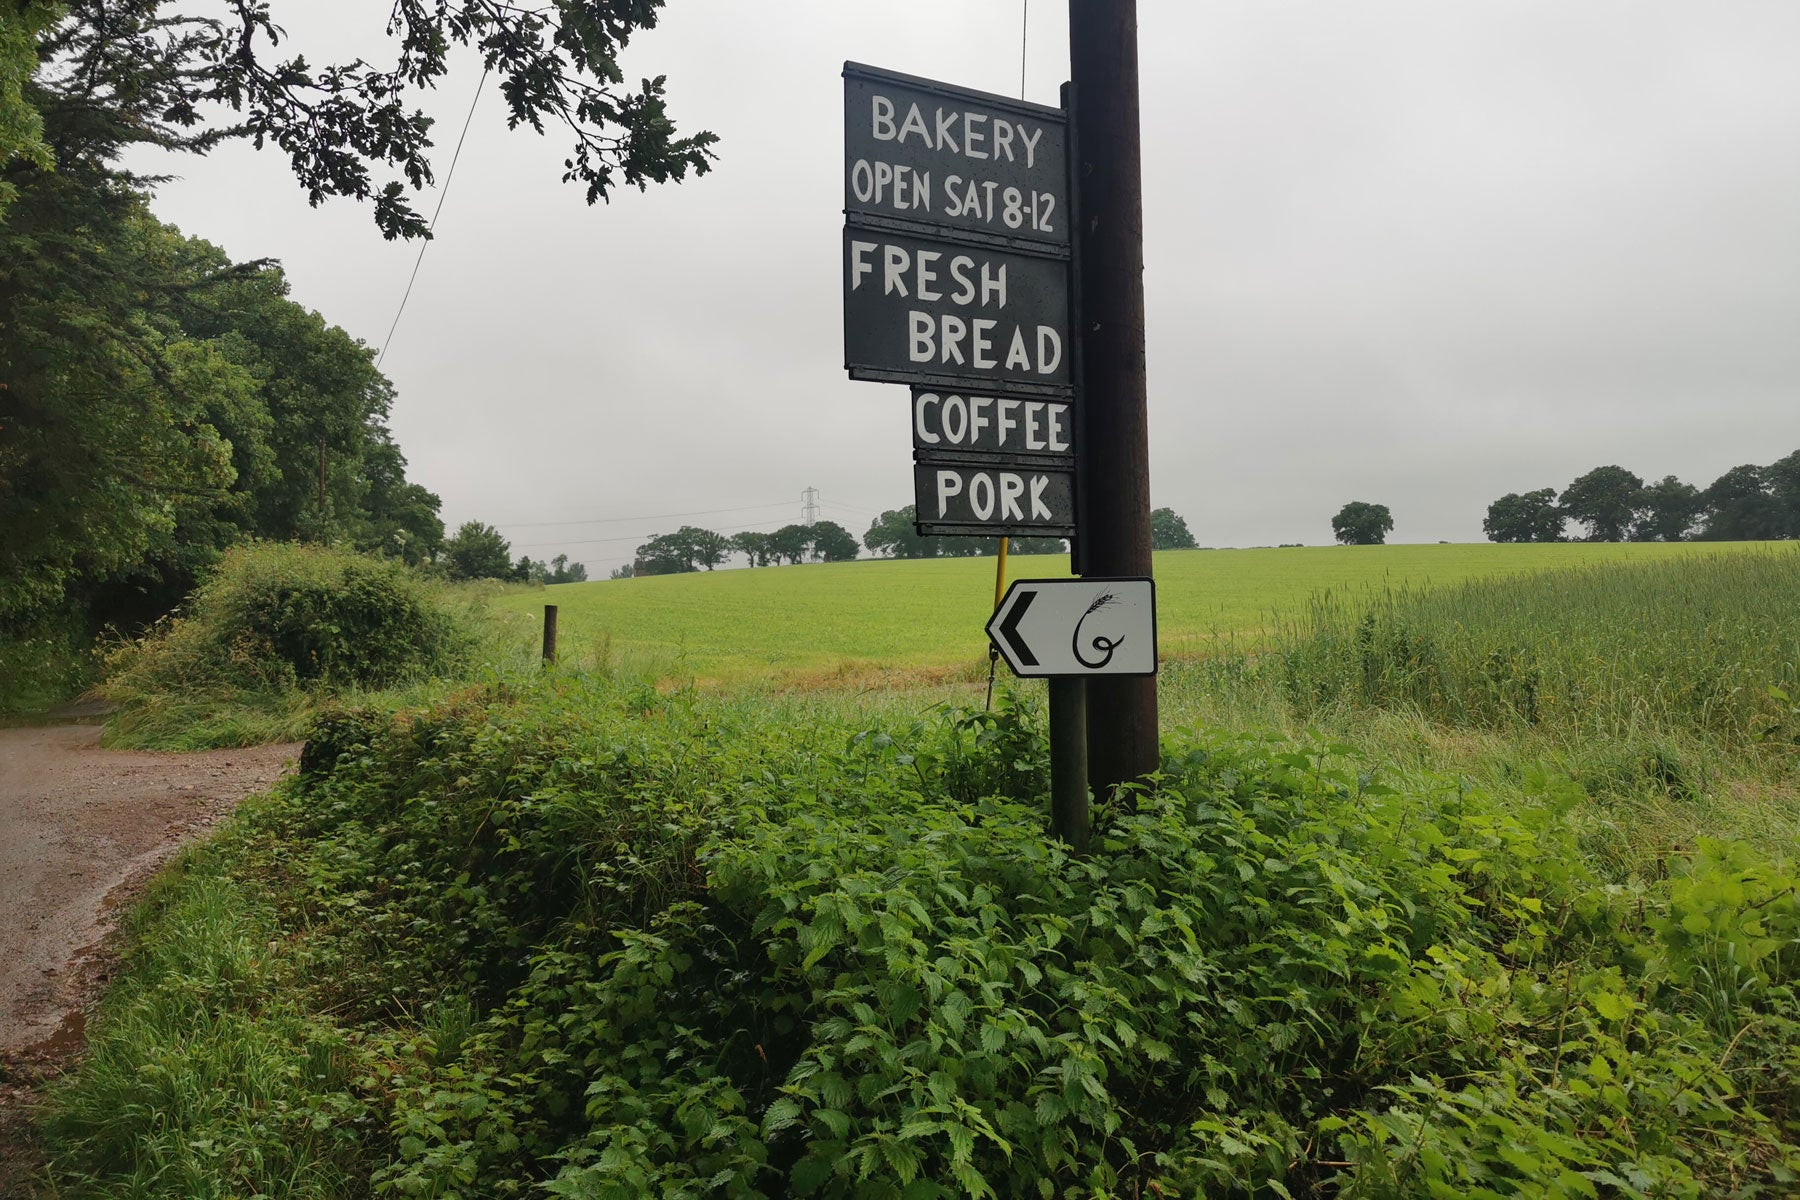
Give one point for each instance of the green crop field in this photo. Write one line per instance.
(852, 618)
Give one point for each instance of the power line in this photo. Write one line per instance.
(1024, 34)
(702, 512)
(442, 193)
(631, 537)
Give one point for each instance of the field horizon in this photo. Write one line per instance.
(875, 616)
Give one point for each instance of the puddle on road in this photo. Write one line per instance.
(69, 1037)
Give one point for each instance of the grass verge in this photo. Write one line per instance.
(582, 939)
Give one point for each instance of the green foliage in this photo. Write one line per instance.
(273, 618)
(478, 551)
(1531, 517)
(894, 534)
(1607, 500)
(580, 940)
(1362, 524)
(1169, 531)
(152, 74)
(1668, 511)
(1741, 506)
(203, 1077)
(21, 126)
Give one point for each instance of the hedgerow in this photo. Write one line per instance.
(274, 628)
(587, 943)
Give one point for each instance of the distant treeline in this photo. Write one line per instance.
(891, 535)
(1746, 504)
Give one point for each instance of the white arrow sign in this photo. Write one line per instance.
(1077, 627)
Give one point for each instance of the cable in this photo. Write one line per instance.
(702, 512)
(442, 193)
(632, 537)
(1024, 33)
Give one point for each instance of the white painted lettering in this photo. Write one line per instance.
(921, 430)
(1039, 510)
(1049, 350)
(946, 124)
(981, 495)
(862, 181)
(993, 284)
(977, 421)
(971, 135)
(1011, 488)
(1007, 422)
(1033, 439)
(951, 331)
(928, 276)
(1059, 428)
(882, 119)
(1017, 358)
(959, 271)
(920, 347)
(983, 350)
(895, 262)
(1003, 131)
(1031, 141)
(949, 486)
(859, 262)
(955, 409)
(914, 122)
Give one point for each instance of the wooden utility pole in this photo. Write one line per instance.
(1113, 442)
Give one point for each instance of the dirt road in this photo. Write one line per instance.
(79, 827)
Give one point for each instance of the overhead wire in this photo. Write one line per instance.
(443, 193)
(699, 512)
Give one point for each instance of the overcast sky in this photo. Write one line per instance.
(1412, 252)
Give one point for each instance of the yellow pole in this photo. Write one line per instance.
(1000, 575)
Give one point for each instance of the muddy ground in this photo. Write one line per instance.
(81, 829)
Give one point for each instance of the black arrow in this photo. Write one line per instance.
(1009, 630)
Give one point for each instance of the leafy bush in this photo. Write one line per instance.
(584, 946)
(276, 617)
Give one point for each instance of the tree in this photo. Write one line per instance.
(1668, 511)
(564, 571)
(1606, 500)
(1361, 524)
(1782, 477)
(149, 75)
(791, 543)
(21, 125)
(703, 547)
(628, 571)
(478, 551)
(1168, 531)
(1740, 506)
(894, 534)
(664, 554)
(1524, 517)
(1037, 545)
(754, 546)
(831, 542)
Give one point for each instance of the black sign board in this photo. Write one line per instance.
(995, 500)
(942, 314)
(948, 425)
(919, 151)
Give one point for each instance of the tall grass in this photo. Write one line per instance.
(1618, 652)
(204, 1078)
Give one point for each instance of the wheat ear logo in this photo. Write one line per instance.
(1100, 642)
